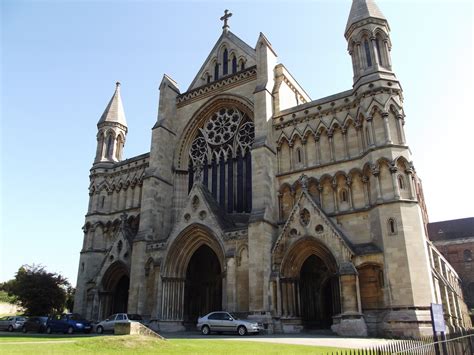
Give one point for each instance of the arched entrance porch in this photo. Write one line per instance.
(309, 285)
(192, 282)
(114, 295)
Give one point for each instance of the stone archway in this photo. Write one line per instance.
(193, 276)
(115, 286)
(309, 285)
(203, 285)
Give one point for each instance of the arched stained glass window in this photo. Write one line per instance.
(367, 54)
(225, 141)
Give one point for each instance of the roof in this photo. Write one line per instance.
(452, 229)
(363, 9)
(114, 111)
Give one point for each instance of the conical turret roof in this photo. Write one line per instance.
(363, 9)
(114, 111)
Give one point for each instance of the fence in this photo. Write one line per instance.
(460, 343)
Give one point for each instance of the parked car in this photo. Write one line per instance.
(11, 323)
(108, 324)
(68, 323)
(36, 324)
(226, 322)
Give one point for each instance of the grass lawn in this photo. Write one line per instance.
(62, 344)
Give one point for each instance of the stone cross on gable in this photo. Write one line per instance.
(224, 18)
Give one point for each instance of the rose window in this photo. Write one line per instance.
(222, 126)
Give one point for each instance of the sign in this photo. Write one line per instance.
(437, 317)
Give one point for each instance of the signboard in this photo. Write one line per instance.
(437, 317)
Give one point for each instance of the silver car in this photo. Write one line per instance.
(108, 325)
(226, 322)
(12, 323)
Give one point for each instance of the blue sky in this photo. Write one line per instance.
(60, 61)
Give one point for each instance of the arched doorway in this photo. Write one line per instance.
(203, 285)
(316, 293)
(115, 286)
(309, 285)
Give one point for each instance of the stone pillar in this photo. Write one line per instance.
(401, 132)
(290, 146)
(334, 195)
(359, 56)
(410, 184)
(396, 188)
(374, 51)
(376, 174)
(365, 181)
(387, 51)
(231, 301)
(279, 158)
(331, 146)
(350, 322)
(349, 195)
(371, 131)
(388, 136)
(305, 153)
(359, 133)
(346, 146)
(318, 150)
(320, 189)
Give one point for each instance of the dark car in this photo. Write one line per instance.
(35, 324)
(68, 323)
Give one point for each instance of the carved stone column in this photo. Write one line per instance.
(376, 174)
(359, 56)
(371, 131)
(279, 158)
(305, 152)
(360, 145)
(290, 145)
(374, 51)
(320, 189)
(334, 194)
(280, 206)
(388, 136)
(410, 184)
(365, 181)
(401, 132)
(331, 145)
(349, 195)
(387, 52)
(346, 146)
(396, 188)
(318, 150)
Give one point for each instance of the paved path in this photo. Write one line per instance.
(295, 339)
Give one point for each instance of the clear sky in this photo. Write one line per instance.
(60, 61)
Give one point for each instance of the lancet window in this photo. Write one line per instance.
(220, 158)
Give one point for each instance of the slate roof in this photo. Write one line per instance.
(114, 111)
(362, 9)
(452, 229)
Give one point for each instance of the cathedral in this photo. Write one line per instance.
(258, 200)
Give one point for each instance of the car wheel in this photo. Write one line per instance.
(10, 328)
(242, 330)
(24, 330)
(70, 330)
(49, 330)
(99, 329)
(205, 330)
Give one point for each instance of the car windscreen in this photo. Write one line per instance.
(134, 317)
(75, 316)
(234, 316)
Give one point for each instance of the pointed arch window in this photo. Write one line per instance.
(110, 146)
(298, 156)
(401, 182)
(225, 141)
(367, 53)
(379, 51)
(242, 64)
(225, 62)
(234, 64)
(343, 195)
(216, 72)
(392, 226)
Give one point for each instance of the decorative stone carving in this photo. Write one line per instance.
(305, 217)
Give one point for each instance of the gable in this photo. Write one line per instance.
(307, 219)
(237, 48)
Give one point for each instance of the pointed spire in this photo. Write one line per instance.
(361, 10)
(114, 111)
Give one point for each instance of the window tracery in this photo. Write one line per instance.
(220, 158)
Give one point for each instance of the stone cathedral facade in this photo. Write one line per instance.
(258, 200)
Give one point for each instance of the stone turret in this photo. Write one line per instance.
(367, 34)
(112, 131)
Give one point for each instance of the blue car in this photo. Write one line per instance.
(68, 323)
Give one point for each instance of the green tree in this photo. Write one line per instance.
(39, 292)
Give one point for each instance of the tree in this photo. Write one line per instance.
(37, 291)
